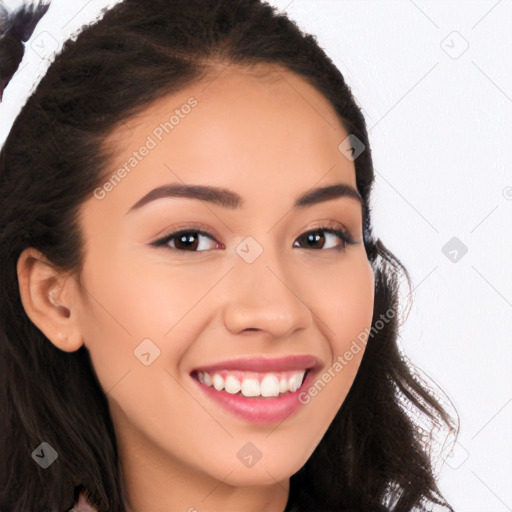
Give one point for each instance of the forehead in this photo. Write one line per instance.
(259, 129)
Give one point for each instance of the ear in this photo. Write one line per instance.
(50, 298)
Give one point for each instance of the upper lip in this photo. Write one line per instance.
(264, 364)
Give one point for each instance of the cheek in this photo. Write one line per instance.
(344, 303)
(355, 308)
(131, 301)
(344, 308)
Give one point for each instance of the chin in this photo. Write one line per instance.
(260, 474)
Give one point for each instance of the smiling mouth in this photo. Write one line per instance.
(253, 384)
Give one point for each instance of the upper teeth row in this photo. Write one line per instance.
(253, 385)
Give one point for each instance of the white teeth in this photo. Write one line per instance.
(269, 386)
(251, 384)
(294, 382)
(207, 379)
(250, 387)
(218, 382)
(232, 385)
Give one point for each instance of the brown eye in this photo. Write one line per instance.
(186, 241)
(313, 239)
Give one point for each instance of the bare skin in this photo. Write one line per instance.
(269, 141)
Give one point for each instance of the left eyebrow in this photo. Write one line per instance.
(229, 199)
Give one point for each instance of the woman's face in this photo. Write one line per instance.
(260, 279)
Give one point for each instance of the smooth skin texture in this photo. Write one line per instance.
(270, 138)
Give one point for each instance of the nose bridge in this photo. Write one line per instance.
(262, 295)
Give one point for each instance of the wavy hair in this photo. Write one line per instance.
(374, 456)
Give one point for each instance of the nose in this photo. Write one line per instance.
(262, 296)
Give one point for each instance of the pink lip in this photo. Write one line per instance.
(262, 364)
(260, 410)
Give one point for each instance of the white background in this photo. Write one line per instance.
(440, 117)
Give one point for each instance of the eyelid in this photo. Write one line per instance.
(320, 225)
(188, 226)
(326, 223)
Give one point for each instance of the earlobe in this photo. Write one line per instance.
(49, 297)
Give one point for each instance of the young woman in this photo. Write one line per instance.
(195, 312)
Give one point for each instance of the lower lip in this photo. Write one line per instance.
(262, 410)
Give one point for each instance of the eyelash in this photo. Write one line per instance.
(341, 233)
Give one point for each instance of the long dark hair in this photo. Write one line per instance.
(374, 456)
